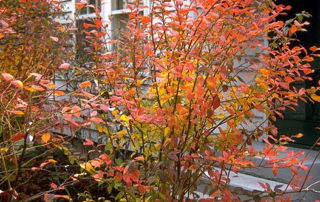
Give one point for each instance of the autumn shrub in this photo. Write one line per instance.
(175, 100)
(33, 45)
(177, 96)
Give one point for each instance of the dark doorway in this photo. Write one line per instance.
(306, 118)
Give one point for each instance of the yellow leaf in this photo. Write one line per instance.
(121, 133)
(315, 97)
(193, 167)
(166, 131)
(51, 85)
(124, 118)
(46, 137)
(52, 161)
(87, 166)
(29, 89)
(99, 128)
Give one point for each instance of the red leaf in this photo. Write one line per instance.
(35, 168)
(17, 84)
(303, 167)
(76, 110)
(104, 108)
(55, 39)
(18, 137)
(75, 124)
(130, 6)
(142, 189)
(262, 185)
(53, 186)
(88, 142)
(127, 179)
(64, 66)
(48, 197)
(134, 175)
(106, 158)
(96, 120)
(216, 102)
(7, 77)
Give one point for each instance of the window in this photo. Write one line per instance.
(122, 4)
(119, 23)
(82, 44)
(89, 8)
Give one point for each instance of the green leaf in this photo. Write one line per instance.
(119, 196)
(109, 189)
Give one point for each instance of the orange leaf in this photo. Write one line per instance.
(37, 88)
(46, 137)
(145, 19)
(211, 83)
(86, 25)
(61, 196)
(112, 42)
(315, 97)
(313, 48)
(85, 84)
(139, 158)
(59, 93)
(7, 77)
(292, 30)
(80, 5)
(299, 135)
(98, 23)
(17, 112)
